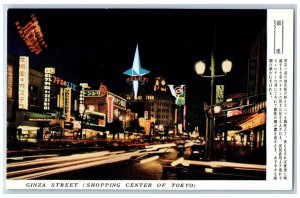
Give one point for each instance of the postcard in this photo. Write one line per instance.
(155, 99)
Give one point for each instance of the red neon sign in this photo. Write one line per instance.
(110, 108)
(32, 35)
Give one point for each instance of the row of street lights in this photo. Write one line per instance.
(210, 110)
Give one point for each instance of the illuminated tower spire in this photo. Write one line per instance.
(136, 71)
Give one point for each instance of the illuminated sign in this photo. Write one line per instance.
(67, 104)
(81, 97)
(219, 94)
(101, 122)
(63, 83)
(258, 120)
(32, 35)
(234, 113)
(184, 117)
(61, 98)
(95, 118)
(118, 101)
(148, 127)
(110, 108)
(48, 72)
(91, 93)
(179, 128)
(178, 93)
(23, 82)
(142, 122)
(102, 90)
(81, 102)
(146, 115)
(9, 81)
(84, 85)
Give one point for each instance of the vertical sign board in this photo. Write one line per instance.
(23, 82)
(61, 99)
(184, 117)
(146, 115)
(219, 94)
(67, 105)
(110, 108)
(49, 71)
(81, 97)
(9, 81)
(147, 127)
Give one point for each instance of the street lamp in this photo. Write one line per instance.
(200, 69)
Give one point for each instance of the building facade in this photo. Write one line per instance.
(35, 108)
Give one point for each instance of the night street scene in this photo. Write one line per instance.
(136, 94)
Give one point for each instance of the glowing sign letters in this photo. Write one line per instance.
(49, 71)
(32, 35)
(67, 105)
(9, 81)
(23, 82)
(63, 83)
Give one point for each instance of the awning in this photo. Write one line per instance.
(255, 120)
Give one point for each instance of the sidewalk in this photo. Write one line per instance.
(240, 154)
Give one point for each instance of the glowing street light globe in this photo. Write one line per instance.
(217, 109)
(226, 66)
(200, 67)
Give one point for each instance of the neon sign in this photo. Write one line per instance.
(67, 105)
(49, 71)
(9, 81)
(110, 108)
(23, 82)
(63, 83)
(184, 117)
(118, 101)
(179, 93)
(32, 35)
(91, 93)
(102, 90)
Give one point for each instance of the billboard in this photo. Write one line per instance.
(179, 94)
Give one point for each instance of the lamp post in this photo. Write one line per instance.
(200, 69)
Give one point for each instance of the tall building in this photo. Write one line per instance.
(257, 65)
(158, 106)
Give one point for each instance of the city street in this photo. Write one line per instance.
(155, 162)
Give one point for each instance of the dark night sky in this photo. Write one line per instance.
(97, 45)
